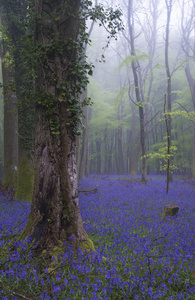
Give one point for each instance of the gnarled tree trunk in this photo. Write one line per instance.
(55, 213)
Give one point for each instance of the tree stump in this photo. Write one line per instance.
(170, 210)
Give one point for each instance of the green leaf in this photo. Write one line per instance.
(133, 59)
(90, 72)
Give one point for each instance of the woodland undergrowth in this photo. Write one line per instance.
(147, 257)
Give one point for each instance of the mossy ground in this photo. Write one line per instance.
(57, 253)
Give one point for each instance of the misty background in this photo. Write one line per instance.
(110, 140)
(164, 40)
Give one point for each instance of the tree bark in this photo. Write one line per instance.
(55, 213)
(169, 100)
(25, 178)
(135, 143)
(98, 156)
(135, 65)
(83, 152)
(10, 128)
(187, 27)
(193, 153)
(14, 14)
(119, 140)
(191, 82)
(106, 152)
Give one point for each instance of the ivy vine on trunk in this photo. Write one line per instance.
(55, 213)
(61, 74)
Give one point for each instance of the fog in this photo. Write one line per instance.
(126, 130)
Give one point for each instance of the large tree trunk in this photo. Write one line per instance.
(55, 213)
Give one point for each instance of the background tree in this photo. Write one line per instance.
(83, 159)
(149, 24)
(10, 130)
(10, 116)
(188, 46)
(169, 104)
(135, 66)
(15, 14)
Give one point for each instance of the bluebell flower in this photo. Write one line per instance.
(22, 275)
(56, 289)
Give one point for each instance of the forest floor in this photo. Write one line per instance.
(147, 256)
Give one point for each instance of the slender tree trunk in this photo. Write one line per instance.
(119, 141)
(187, 27)
(135, 143)
(110, 151)
(134, 66)
(1, 133)
(10, 120)
(83, 152)
(134, 159)
(169, 104)
(191, 82)
(10, 129)
(92, 160)
(13, 14)
(83, 155)
(193, 154)
(168, 147)
(116, 163)
(98, 156)
(106, 155)
(87, 154)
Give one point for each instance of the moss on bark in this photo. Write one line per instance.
(32, 222)
(25, 180)
(59, 250)
(10, 179)
(87, 245)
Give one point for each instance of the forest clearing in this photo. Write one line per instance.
(139, 254)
